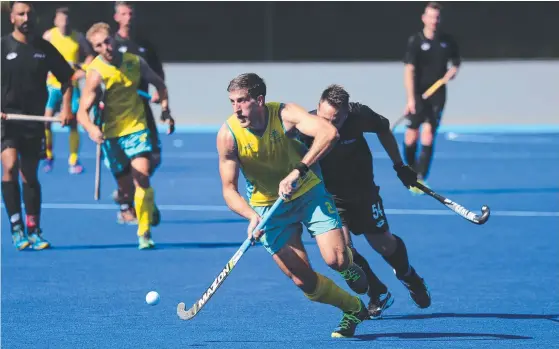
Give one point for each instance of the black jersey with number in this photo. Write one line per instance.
(144, 49)
(24, 75)
(430, 58)
(348, 168)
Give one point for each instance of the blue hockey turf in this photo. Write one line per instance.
(494, 286)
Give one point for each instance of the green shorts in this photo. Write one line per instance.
(315, 209)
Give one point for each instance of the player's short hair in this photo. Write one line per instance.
(434, 5)
(97, 27)
(65, 10)
(123, 3)
(251, 82)
(28, 3)
(336, 96)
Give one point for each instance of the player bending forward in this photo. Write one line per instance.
(124, 135)
(348, 175)
(257, 138)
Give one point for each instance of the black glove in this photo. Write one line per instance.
(165, 115)
(406, 174)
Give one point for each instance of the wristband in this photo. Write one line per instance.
(302, 168)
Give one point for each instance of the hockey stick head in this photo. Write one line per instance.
(485, 213)
(186, 314)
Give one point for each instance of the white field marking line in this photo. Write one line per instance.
(381, 156)
(222, 208)
(473, 138)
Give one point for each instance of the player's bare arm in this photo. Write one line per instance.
(88, 98)
(325, 134)
(153, 78)
(229, 167)
(409, 72)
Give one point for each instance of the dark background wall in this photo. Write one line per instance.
(327, 31)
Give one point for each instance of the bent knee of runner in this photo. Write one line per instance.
(385, 244)
(337, 258)
(141, 171)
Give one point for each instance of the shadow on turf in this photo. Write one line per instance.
(440, 336)
(554, 318)
(498, 191)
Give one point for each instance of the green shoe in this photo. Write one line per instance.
(37, 241)
(145, 242)
(349, 322)
(19, 238)
(356, 279)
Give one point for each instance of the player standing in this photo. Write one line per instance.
(348, 175)
(127, 41)
(259, 139)
(70, 43)
(26, 61)
(426, 61)
(114, 78)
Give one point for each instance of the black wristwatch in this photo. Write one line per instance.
(302, 168)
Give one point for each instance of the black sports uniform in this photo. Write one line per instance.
(348, 171)
(144, 49)
(24, 90)
(430, 59)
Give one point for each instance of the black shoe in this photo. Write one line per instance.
(349, 322)
(378, 304)
(419, 292)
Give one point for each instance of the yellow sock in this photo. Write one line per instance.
(143, 200)
(328, 292)
(48, 143)
(74, 146)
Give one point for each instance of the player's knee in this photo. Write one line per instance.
(411, 136)
(385, 244)
(427, 134)
(337, 259)
(9, 171)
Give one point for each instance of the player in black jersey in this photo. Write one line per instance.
(26, 60)
(127, 41)
(426, 61)
(348, 175)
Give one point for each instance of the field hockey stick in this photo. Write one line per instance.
(98, 120)
(196, 307)
(38, 118)
(428, 93)
(459, 209)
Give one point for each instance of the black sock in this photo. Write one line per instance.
(425, 161)
(399, 259)
(32, 200)
(376, 287)
(12, 199)
(409, 154)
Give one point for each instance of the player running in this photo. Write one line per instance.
(426, 60)
(114, 77)
(70, 43)
(259, 140)
(26, 60)
(348, 175)
(127, 40)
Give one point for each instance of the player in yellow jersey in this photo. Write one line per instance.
(71, 44)
(114, 77)
(260, 139)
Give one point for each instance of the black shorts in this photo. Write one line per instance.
(429, 110)
(27, 144)
(363, 215)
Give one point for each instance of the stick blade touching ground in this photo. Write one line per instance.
(185, 314)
